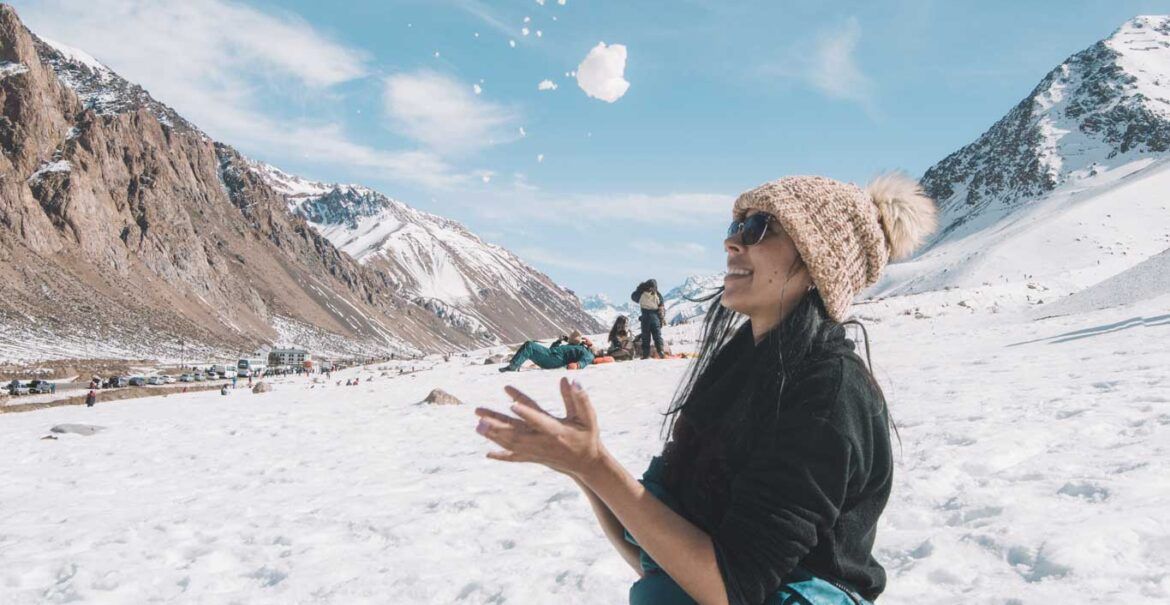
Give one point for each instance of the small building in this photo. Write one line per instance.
(288, 358)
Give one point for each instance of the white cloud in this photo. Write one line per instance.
(546, 85)
(523, 31)
(439, 111)
(477, 88)
(594, 210)
(601, 73)
(834, 70)
(484, 13)
(540, 158)
(215, 61)
(669, 250)
(547, 258)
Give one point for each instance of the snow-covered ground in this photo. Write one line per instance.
(1033, 468)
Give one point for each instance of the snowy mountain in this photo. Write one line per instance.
(681, 303)
(1099, 111)
(101, 89)
(127, 232)
(606, 312)
(476, 286)
(1070, 187)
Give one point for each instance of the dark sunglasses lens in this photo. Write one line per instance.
(733, 228)
(754, 228)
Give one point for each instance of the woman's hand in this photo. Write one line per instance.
(570, 445)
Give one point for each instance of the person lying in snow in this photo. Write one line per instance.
(778, 464)
(572, 350)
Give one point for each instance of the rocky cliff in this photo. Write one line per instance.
(126, 230)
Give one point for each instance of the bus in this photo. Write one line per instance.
(251, 367)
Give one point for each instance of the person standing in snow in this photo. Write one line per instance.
(90, 398)
(652, 317)
(778, 464)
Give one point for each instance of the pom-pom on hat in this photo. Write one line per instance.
(845, 235)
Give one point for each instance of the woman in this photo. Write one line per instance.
(779, 462)
(619, 339)
(652, 316)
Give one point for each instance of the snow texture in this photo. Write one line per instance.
(10, 68)
(1032, 468)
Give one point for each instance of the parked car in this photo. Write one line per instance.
(187, 378)
(17, 387)
(197, 377)
(138, 381)
(117, 382)
(41, 386)
(156, 380)
(168, 379)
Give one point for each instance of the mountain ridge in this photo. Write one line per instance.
(130, 231)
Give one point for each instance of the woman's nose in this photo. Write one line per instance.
(733, 244)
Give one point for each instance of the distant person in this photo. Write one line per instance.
(778, 464)
(91, 398)
(223, 390)
(565, 350)
(652, 317)
(621, 347)
(234, 379)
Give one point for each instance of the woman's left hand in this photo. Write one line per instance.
(571, 445)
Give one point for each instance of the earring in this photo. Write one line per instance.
(811, 288)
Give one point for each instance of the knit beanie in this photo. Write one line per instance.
(845, 235)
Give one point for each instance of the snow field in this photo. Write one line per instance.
(1032, 469)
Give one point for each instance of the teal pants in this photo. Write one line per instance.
(802, 588)
(539, 354)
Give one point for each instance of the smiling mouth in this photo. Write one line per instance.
(731, 273)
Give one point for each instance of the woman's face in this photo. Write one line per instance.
(765, 278)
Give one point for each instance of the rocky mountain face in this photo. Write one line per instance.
(1099, 110)
(474, 286)
(122, 224)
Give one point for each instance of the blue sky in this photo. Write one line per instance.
(598, 193)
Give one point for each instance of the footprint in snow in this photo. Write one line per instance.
(1085, 490)
(973, 515)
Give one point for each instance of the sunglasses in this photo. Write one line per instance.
(752, 229)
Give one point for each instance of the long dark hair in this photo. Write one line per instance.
(778, 358)
(620, 324)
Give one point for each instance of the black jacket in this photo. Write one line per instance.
(812, 481)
